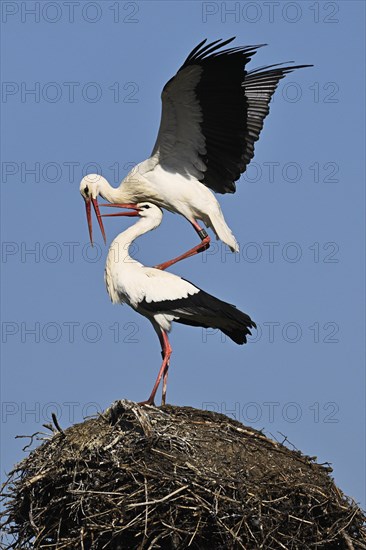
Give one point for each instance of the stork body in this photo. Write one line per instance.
(163, 297)
(212, 114)
(187, 197)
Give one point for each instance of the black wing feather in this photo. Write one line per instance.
(204, 310)
(234, 104)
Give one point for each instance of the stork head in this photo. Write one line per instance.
(90, 187)
(93, 185)
(149, 210)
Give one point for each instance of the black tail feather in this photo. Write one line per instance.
(215, 313)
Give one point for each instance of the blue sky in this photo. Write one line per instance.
(81, 91)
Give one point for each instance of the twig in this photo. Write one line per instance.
(157, 501)
(57, 425)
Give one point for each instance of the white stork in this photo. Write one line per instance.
(163, 297)
(212, 114)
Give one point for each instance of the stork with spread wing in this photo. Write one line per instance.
(213, 112)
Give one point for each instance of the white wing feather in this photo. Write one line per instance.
(152, 285)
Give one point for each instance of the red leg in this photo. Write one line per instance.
(166, 352)
(165, 382)
(162, 337)
(204, 245)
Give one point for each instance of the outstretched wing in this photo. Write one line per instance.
(212, 113)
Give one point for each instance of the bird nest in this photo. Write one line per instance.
(174, 478)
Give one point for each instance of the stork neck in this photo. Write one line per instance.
(111, 194)
(120, 247)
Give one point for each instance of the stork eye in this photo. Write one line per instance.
(86, 190)
(146, 206)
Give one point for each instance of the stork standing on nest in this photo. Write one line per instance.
(212, 114)
(163, 297)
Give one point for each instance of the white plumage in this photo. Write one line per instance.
(212, 114)
(129, 281)
(163, 297)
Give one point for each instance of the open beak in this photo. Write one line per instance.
(88, 203)
(133, 210)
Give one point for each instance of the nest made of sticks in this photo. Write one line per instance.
(173, 478)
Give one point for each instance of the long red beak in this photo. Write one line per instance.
(133, 210)
(89, 218)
